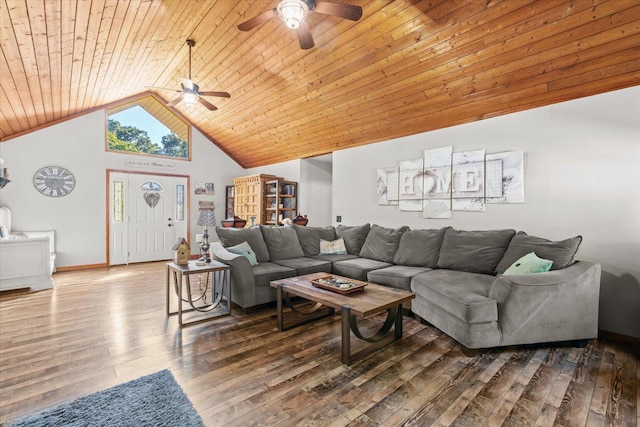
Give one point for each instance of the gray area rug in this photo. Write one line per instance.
(153, 400)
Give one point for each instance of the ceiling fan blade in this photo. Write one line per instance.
(346, 11)
(304, 36)
(220, 94)
(257, 20)
(163, 88)
(187, 84)
(174, 101)
(207, 104)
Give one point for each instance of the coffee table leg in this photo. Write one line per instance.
(374, 342)
(279, 309)
(397, 330)
(346, 335)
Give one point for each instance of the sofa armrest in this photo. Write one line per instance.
(242, 279)
(558, 305)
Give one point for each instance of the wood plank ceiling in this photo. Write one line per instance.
(405, 67)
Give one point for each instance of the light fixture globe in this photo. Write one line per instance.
(189, 99)
(292, 12)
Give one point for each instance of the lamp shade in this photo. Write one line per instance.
(207, 215)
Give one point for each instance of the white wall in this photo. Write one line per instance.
(316, 189)
(582, 176)
(79, 219)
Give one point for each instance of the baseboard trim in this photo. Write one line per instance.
(81, 267)
(615, 336)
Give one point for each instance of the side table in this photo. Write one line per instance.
(220, 284)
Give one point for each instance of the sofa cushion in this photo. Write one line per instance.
(473, 251)
(396, 276)
(282, 242)
(560, 252)
(354, 236)
(253, 236)
(357, 268)
(334, 258)
(419, 248)
(333, 247)
(309, 238)
(382, 243)
(265, 272)
(463, 295)
(245, 250)
(530, 263)
(306, 265)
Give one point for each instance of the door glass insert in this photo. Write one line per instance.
(151, 186)
(179, 202)
(118, 201)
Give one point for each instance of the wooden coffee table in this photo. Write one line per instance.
(372, 300)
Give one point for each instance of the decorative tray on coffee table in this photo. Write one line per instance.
(338, 284)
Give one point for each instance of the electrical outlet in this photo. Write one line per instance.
(198, 238)
(338, 218)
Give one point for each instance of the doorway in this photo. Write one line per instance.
(147, 214)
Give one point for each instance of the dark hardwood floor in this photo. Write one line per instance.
(102, 327)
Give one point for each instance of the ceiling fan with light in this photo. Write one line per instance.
(294, 13)
(190, 93)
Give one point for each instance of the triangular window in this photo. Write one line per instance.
(146, 126)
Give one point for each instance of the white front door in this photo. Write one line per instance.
(147, 215)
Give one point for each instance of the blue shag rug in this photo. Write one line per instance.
(153, 400)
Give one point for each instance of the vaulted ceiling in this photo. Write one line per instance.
(405, 67)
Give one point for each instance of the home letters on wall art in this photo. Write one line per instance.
(443, 181)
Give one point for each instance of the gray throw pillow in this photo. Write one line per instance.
(382, 243)
(354, 236)
(561, 252)
(309, 238)
(253, 236)
(473, 251)
(282, 242)
(420, 248)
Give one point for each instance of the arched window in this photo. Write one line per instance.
(151, 186)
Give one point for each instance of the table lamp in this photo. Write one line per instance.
(206, 218)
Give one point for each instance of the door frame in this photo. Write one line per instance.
(108, 204)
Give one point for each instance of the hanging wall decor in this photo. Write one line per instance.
(152, 199)
(443, 181)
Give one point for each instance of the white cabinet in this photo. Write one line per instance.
(26, 263)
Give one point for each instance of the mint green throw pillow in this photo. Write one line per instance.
(245, 250)
(530, 263)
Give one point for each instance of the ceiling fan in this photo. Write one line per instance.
(294, 13)
(190, 93)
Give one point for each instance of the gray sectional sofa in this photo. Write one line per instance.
(458, 276)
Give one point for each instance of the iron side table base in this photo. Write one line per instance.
(220, 304)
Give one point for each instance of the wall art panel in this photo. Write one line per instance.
(468, 181)
(388, 186)
(511, 177)
(437, 183)
(410, 180)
